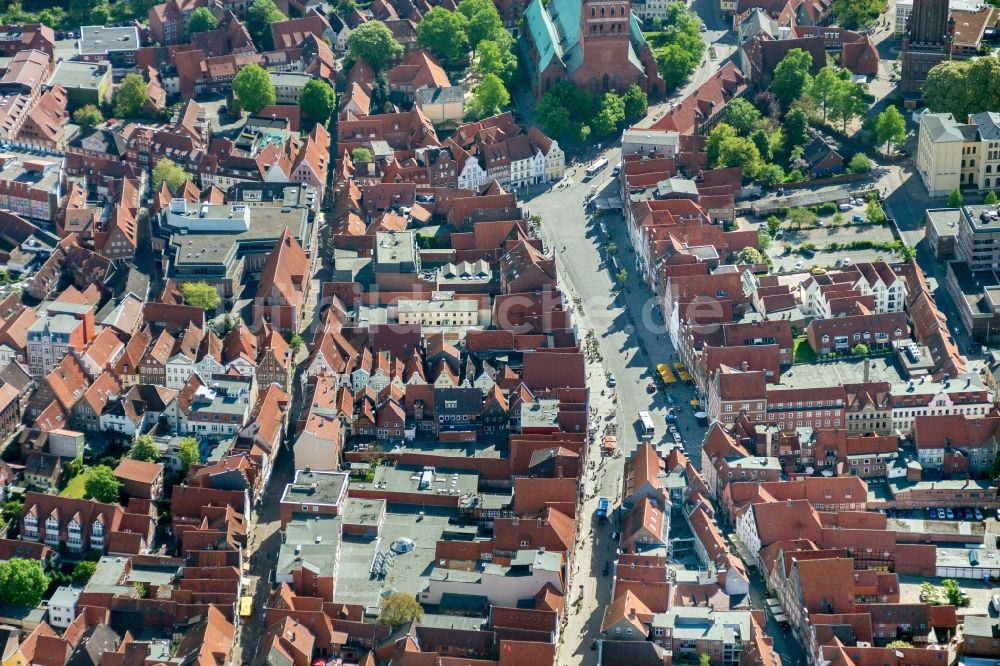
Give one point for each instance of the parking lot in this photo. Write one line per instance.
(831, 230)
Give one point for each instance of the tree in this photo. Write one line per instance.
(860, 349)
(83, 571)
(990, 198)
(374, 42)
(189, 452)
(295, 343)
(874, 212)
(610, 115)
(494, 59)
(380, 93)
(763, 239)
(675, 65)
(88, 116)
(762, 139)
(848, 102)
(737, 151)
(743, 116)
(963, 87)
(201, 20)
(582, 132)
(483, 21)
(200, 295)
(704, 659)
(317, 101)
(623, 276)
(252, 88)
(953, 592)
(749, 255)
(955, 199)
(144, 449)
(22, 582)
(488, 97)
(859, 163)
(857, 14)
(166, 170)
(612, 249)
(552, 114)
(801, 217)
(102, 485)
(444, 33)
(907, 253)
(773, 225)
(636, 102)
(399, 608)
(713, 145)
(791, 77)
(929, 594)
(794, 128)
(771, 174)
(361, 155)
(823, 87)
(131, 95)
(898, 644)
(890, 128)
(260, 16)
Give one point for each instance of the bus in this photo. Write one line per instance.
(646, 424)
(602, 510)
(596, 168)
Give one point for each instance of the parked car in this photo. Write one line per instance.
(932, 513)
(844, 207)
(978, 514)
(949, 514)
(858, 218)
(779, 235)
(799, 264)
(847, 261)
(612, 382)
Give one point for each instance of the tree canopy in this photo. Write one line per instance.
(496, 58)
(360, 154)
(130, 96)
(890, 128)
(791, 77)
(102, 485)
(955, 199)
(83, 571)
(860, 163)
(636, 102)
(189, 452)
(374, 42)
(678, 48)
(167, 170)
(610, 115)
(87, 116)
(743, 116)
(857, 14)
(318, 101)
(200, 295)
(260, 16)
(22, 582)
(483, 21)
(444, 33)
(252, 88)
(963, 87)
(399, 608)
(144, 449)
(201, 20)
(488, 97)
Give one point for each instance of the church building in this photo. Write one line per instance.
(597, 45)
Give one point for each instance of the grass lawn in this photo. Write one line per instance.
(75, 487)
(801, 352)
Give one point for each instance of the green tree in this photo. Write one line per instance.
(612, 249)
(860, 349)
(898, 644)
(200, 295)
(444, 33)
(260, 16)
(88, 116)
(166, 170)
(764, 239)
(743, 116)
(749, 255)
(131, 95)
(907, 253)
(494, 59)
(704, 659)
(794, 128)
(582, 132)
(713, 145)
(189, 452)
(399, 608)
(144, 449)
(610, 115)
(874, 213)
(791, 77)
(929, 594)
(374, 42)
(737, 151)
(953, 592)
(859, 163)
(201, 20)
(636, 102)
(773, 225)
(675, 65)
(857, 14)
(295, 343)
(990, 198)
(823, 87)
(771, 174)
(623, 276)
(361, 155)
(890, 128)
(762, 139)
(483, 21)
(252, 88)
(102, 485)
(552, 114)
(317, 101)
(955, 199)
(488, 97)
(963, 87)
(848, 103)
(22, 582)
(801, 217)
(83, 571)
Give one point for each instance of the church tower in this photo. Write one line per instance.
(604, 41)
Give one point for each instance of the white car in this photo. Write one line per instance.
(799, 264)
(844, 207)
(847, 261)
